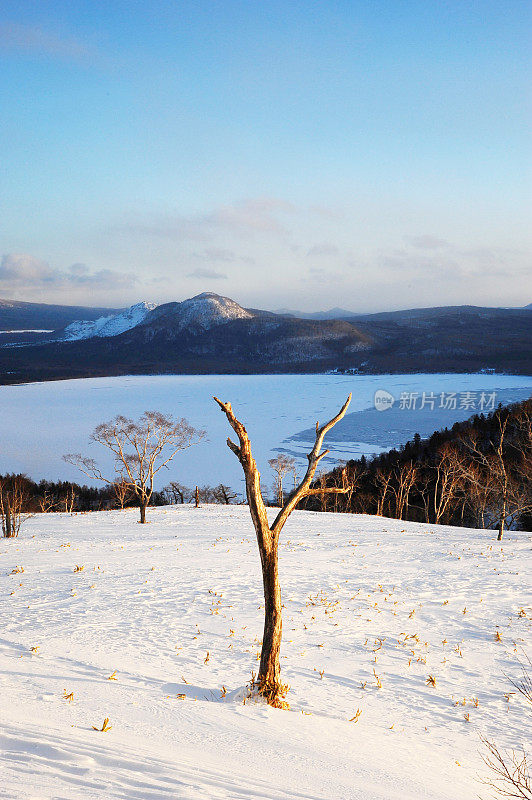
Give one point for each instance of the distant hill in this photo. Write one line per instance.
(213, 334)
(333, 313)
(17, 315)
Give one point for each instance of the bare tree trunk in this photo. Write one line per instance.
(143, 505)
(269, 670)
(196, 497)
(501, 521)
(268, 679)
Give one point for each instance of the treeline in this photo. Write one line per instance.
(20, 494)
(476, 474)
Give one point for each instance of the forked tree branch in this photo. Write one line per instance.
(314, 457)
(252, 475)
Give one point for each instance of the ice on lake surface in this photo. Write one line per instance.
(40, 422)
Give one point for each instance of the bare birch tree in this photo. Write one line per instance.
(281, 465)
(382, 481)
(141, 450)
(448, 469)
(46, 502)
(503, 482)
(404, 478)
(13, 497)
(268, 682)
(68, 499)
(122, 492)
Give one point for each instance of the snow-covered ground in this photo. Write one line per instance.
(60, 416)
(172, 612)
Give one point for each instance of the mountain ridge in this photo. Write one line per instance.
(210, 333)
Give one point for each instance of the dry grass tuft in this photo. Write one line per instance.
(105, 727)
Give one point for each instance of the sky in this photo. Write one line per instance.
(304, 155)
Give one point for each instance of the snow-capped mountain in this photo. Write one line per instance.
(111, 325)
(199, 313)
(205, 311)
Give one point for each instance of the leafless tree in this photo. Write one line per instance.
(524, 683)
(281, 466)
(122, 492)
(223, 494)
(177, 493)
(501, 472)
(382, 480)
(449, 471)
(268, 682)
(510, 773)
(404, 479)
(141, 450)
(322, 495)
(349, 478)
(68, 499)
(46, 502)
(13, 498)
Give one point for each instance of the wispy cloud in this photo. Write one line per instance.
(252, 215)
(427, 242)
(325, 276)
(24, 271)
(210, 274)
(33, 39)
(245, 218)
(323, 249)
(447, 262)
(223, 255)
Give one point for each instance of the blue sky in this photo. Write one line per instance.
(369, 155)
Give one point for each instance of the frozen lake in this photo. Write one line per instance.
(40, 422)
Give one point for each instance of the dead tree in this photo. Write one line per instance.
(141, 450)
(268, 682)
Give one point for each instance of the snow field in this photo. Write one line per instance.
(160, 630)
